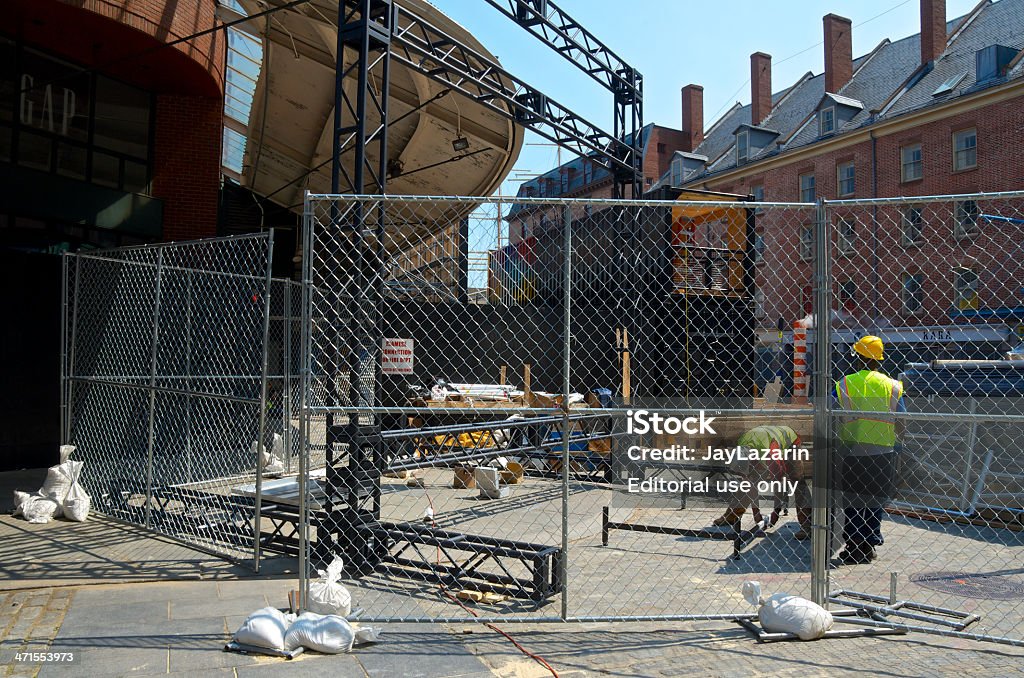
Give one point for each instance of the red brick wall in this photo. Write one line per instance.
(997, 253)
(167, 20)
(186, 164)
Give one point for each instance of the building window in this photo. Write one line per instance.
(965, 289)
(662, 148)
(59, 118)
(676, 172)
(912, 165)
(912, 225)
(848, 294)
(758, 248)
(807, 188)
(913, 292)
(965, 149)
(827, 120)
(742, 147)
(847, 241)
(965, 218)
(807, 243)
(847, 178)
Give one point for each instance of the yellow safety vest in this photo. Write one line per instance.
(868, 391)
(762, 437)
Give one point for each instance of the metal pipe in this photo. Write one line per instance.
(566, 421)
(164, 390)
(71, 348)
(363, 619)
(261, 435)
(982, 637)
(286, 370)
(63, 347)
(152, 386)
(972, 440)
(820, 518)
(305, 382)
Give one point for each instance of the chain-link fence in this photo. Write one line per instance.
(586, 409)
(164, 372)
(929, 487)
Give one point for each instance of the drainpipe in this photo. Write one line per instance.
(874, 235)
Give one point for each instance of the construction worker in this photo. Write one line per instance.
(867, 449)
(773, 438)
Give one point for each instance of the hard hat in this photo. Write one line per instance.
(869, 347)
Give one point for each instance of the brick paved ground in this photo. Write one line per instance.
(31, 620)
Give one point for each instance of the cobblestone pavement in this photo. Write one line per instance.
(31, 620)
(180, 629)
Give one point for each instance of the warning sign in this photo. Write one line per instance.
(397, 356)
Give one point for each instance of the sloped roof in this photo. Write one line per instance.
(878, 78)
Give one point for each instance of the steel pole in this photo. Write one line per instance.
(821, 493)
(152, 385)
(261, 439)
(566, 379)
(305, 362)
(63, 347)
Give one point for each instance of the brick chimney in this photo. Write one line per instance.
(693, 117)
(933, 29)
(760, 87)
(838, 52)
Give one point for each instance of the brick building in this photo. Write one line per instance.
(586, 178)
(108, 136)
(937, 113)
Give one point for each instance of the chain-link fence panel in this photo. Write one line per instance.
(705, 480)
(164, 379)
(472, 386)
(927, 474)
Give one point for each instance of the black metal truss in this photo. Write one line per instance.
(422, 46)
(555, 28)
(552, 26)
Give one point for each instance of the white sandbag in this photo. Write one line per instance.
(75, 503)
(329, 634)
(19, 500)
(272, 463)
(785, 613)
(39, 510)
(326, 595)
(265, 628)
(367, 634)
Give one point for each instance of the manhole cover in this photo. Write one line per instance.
(971, 585)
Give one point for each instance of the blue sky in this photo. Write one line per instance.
(677, 42)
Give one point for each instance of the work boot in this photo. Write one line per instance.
(730, 518)
(860, 553)
(803, 517)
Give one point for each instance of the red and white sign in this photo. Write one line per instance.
(397, 356)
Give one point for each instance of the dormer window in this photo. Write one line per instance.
(827, 120)
(742, 146)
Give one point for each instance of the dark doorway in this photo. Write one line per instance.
(30, 299)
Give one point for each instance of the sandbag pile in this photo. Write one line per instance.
(272, 464)
(322, 629)
(61, 495)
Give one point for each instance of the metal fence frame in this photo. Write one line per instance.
(235, 264)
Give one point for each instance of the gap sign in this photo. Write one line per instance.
(396, 356)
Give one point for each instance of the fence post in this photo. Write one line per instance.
(286, 376)
(72, 340)
(566, 422)
(821, 537)
(305, 361)
(257, 507)
(154, 345)
(63, 348)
